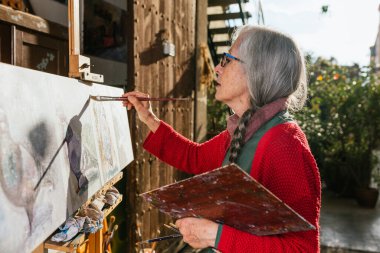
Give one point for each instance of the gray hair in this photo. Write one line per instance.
(274, 65)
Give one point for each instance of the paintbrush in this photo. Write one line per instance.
(110, 98)
(174, 229)
(157, 239)
(109, 238)
(110, 227)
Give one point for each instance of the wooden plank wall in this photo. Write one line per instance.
(163, 76)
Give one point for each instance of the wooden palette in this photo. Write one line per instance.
(230, 196)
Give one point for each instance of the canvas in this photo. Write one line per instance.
(52, 133)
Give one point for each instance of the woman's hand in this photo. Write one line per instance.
(143, 109)
(199, 233)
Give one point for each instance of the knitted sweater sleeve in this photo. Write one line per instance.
(178, 151)
(283, 164)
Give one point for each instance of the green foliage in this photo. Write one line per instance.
(342, 123)
(218, 114)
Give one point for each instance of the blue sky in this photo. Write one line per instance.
(346, 32)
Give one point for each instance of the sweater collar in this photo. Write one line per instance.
(261, 116)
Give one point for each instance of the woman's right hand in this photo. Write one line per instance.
(143, 109)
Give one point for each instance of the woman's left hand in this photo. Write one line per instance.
(199, 233)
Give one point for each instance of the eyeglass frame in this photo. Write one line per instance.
(227, 56)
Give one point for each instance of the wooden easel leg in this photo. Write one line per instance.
(96, 240)
(91, 243)
(105, 237)
(99, 241)
(39, 249)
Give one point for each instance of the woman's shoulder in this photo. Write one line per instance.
(285, 134)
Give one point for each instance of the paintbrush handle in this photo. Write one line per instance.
(162, 99)
(110, 98)
(160, 238)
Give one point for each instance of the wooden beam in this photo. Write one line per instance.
(227, 16)
(222, 30)
(74, 33)
(223, 2)
(39, 249)
(23, 19)
(219, 56)
(200, 105)
(222, 43)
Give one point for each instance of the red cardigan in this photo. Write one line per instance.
(283, 163)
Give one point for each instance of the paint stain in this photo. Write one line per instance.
(74, 146)
(10, 161)
(11, 172)
(17, 17)
(41, 25)
(39, 139)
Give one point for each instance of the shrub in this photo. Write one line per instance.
(342, 123)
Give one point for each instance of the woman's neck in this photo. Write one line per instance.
(240, 110)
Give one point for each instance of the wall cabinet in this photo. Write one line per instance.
(32, 42)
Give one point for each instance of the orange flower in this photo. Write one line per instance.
(336, 76)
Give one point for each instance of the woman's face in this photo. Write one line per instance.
(232, 83)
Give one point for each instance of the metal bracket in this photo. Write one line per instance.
(80, 67)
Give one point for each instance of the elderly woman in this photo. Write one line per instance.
(262, 78)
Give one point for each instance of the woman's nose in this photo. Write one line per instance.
(218, 69)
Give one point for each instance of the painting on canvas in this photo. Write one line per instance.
(57, 148)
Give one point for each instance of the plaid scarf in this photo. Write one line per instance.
(260, 117)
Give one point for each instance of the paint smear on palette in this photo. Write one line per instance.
(105, 146)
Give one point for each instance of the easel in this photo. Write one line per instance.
(82, 243)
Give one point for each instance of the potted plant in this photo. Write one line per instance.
(342, 122)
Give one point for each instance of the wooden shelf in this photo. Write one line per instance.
(95, 240)
(69, 246)
(102, 191)
(107, 211)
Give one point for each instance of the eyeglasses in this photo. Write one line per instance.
(227, 58)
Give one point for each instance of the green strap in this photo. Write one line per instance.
(218, 235)
(248, 151)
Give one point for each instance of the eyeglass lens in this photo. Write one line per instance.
(224, 61)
